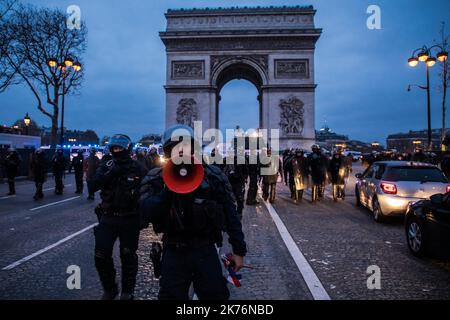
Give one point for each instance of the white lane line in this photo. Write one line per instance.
(53, 188)
(312, 281)
(31, 256)
(53, 203)
(7, 197)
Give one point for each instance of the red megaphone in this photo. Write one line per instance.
(183, 178)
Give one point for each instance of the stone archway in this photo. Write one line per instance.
(227, 68)
(271, 47)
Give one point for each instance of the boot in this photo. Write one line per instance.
(314, 192)
(335, 189)
(299, 195)
(342, 192)
(273, 192)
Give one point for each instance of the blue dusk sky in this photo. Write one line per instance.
(362, 74)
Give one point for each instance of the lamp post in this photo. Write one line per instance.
(425, 55)
(65, 67)
(26, 121)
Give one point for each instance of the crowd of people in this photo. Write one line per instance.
(83, 166)
(134, 195)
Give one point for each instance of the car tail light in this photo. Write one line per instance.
(448, 188)
(389, 188)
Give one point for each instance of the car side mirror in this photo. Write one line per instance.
(358, 175)
(437, 198)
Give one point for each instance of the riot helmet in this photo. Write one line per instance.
(315, 148)
(121, 141)
(120, 145)
(184, 131)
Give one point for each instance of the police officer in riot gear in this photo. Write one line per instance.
(59, 166)
(78, 165)
(119, 180)
(253, 174)
(287, 165)
(318, 165)
(106, 155)
(92, 164)
(270, 179)
(298, 177)
(152, 159)
(192, 224)
(237, 175)
(39, 167)
(11, 164)
(337, 169)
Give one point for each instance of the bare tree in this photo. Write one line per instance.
(5, 7)
(35, 36)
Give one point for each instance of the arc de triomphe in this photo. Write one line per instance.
(272, 47)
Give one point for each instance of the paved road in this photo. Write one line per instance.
(338, 240)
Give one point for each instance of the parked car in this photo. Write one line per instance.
(387, 187)
(427, 226)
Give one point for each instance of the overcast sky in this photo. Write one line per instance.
(362, 74)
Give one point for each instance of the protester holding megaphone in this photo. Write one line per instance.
(191, 203)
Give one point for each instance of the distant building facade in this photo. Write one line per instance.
(408, 142)
(18, 141)
(72, 137)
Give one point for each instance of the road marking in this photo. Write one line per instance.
(53, 203)
(53, 188)
(7, 197)
(312, 281)
(31, 256)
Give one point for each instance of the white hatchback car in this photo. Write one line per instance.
(388, 187)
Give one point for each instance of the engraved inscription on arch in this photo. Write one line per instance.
(188, 69)
(292, 69)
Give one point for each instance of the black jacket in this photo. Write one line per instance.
(39, 167)
(58, 163)
(318, 165)
(12, 163)
(119, 181)
(77, 164)
(157, 205)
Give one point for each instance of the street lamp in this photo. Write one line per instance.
(65, 67)
(26, 121)
(425, 56)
